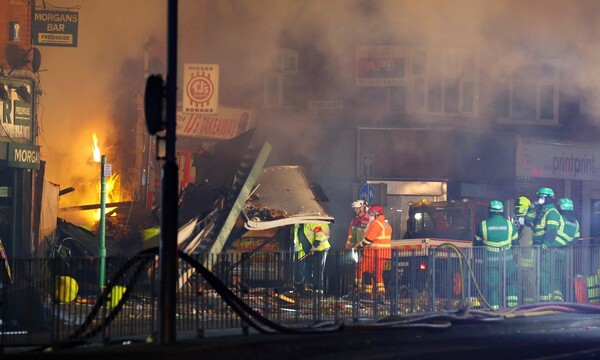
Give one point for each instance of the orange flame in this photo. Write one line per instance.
(112, 192)
(95, 148)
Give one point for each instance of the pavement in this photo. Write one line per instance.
(572, 336)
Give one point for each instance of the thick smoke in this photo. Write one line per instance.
(81, 85)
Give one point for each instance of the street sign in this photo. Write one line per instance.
(367, 166)
(367, 193)
(107, 170)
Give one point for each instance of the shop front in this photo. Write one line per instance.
(19, 162)
(567, 168)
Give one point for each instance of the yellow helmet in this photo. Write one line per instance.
(522, 205)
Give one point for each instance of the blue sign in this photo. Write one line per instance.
(367, 193)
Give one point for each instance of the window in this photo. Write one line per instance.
(434, 95)
(588, 100)
(523, 104)
(441, 83)
(397, 99)
(280, 68)
(274, 90)
(529, 96)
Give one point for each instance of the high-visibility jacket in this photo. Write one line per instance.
(356, 232)
(307, 236)
(545, 224)
(378, 236)
(377, 246)
(568, 230)
(496, 232)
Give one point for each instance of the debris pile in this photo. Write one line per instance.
(258, 213)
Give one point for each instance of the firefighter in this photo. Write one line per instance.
(497, 235)
(356, 232)
(568, 230)
(311, 242)
(545, 220)
(377, 250)
(524, 254)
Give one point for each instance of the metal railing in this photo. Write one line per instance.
(48, 301)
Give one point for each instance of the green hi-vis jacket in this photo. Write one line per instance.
(496, 232)
(568, 230)
(545, 224)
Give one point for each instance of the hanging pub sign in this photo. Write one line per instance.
(16, 109)
(55, 28)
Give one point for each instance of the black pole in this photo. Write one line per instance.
(170, 186)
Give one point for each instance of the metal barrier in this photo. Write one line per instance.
(59, 299)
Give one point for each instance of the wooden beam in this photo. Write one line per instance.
(94, 206)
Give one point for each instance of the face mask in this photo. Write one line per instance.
(521, 221)
(371, 217)
(541, 200)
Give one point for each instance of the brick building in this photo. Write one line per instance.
(19, 152)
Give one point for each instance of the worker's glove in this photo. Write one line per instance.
(313, 249)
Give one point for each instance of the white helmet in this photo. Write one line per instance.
(359, 203)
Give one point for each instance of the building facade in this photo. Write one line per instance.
(400, 111)
(20, 172)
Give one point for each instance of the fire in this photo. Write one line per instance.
(82, 207)
(95, 148)
(112, 191)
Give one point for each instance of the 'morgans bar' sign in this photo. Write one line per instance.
(55, 28)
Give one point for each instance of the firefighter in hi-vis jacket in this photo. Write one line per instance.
(358, 226)
(376, 250)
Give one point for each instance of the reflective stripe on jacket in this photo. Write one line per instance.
(379, 237)
(356, 232)
(317, 235)
(496, 232)
(548, 218)
(567, 231)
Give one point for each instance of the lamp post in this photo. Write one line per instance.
(156, 92)
(170, 188)
(101, 230)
